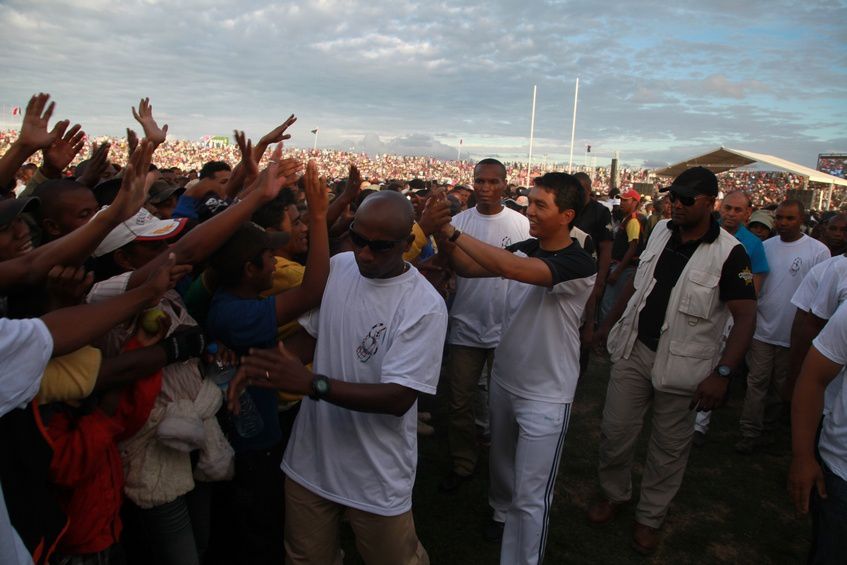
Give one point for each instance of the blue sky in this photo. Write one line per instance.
(659, 81)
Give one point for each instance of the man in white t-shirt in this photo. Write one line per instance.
(476, 315)
(353, 449)
(823, 480)
(536, 364)
(790, 257)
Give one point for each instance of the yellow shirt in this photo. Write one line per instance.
(419, 243)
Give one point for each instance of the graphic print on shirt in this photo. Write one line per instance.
(795, 266)
(505, 242)
(370, 343)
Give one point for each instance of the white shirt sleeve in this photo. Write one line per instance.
(25, 349)
(832, 341)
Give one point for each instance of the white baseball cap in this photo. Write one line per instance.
(144, 226)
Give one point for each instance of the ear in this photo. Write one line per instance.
(122, 260)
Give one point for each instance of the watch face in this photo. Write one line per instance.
(724, 371)
(321, 386)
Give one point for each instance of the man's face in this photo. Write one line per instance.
(377, 264)
(734, 212)
(836, 232)
(545, 219)
(689, 216)
(15, 239)
(137, 253)
(489, 184)
(25, 174)
(298, 243)
(418, 201)
(264, 275)
(788, 222)
(760, 230)
(75, 209)
(628, 206)
(221, 177)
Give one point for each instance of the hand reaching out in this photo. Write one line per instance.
(34, 134)
(62, 151)
(354, 184)
(251, 168)
(435, 215)
(279, 173)
(131, 141)
(152, 131)
(277, 135)
(269, 368)
(317, 198)
(164, 278)
(66, 286)
(133, 189)
(97, 165)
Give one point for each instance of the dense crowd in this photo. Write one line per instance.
(214, 354)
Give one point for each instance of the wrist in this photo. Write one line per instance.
(49, 170)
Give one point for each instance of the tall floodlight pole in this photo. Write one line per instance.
(459, 151)
(531, 133)
(573, 124)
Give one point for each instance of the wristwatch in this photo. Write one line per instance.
(454, 236)
(724, 371)
(320, 387)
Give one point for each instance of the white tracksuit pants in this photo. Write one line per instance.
(526, 445)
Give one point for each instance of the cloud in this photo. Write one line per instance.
(769, 75)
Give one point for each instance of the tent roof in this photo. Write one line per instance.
(725, 159)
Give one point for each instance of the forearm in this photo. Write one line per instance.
(463, 265)
(317, 261)
(627, 257)
(738, 341)
(129, 366)
(77, 326)
(806, 413)
(236, 181)
(376, 398)
(495, 260)
(620, 304)
(804, 329)
(336, 208)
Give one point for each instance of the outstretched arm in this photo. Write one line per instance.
(32, 137)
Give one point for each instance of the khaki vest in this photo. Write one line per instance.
(690, 343)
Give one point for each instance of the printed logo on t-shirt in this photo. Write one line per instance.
(506, 242)
(746, 275)
(370, 344)
(795, 266)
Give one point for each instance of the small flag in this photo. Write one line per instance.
(460, 142)
(588, 149)
(315, 130)
(16, 110)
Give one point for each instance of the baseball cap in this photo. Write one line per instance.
(161, 191)
(694, 181)
(522, 201)
(144, 226)
(631, 194)
(248, 242)
(14, 207)
(764, 217)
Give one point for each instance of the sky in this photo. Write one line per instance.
(658, 81)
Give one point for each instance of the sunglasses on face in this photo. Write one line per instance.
(376, 245)
(684, 200)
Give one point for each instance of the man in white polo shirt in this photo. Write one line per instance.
(476, 315)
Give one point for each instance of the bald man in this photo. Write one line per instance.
(353, 450)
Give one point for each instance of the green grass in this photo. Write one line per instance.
(731, 508)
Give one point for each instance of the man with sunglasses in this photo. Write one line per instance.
(376, 344)
(666, 345)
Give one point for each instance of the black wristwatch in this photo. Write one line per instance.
(320, 387)
(454, 236)
(724, 371)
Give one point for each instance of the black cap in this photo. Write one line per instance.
(13, 207)
(694, 181)
(161, 191)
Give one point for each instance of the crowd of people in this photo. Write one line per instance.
(221, 368)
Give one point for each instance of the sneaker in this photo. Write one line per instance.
(453, 481)
(493, 531)
(699, 439)
(746, 445)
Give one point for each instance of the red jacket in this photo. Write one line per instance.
(86, 465)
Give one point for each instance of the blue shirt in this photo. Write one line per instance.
(242, 323)
(755, 250)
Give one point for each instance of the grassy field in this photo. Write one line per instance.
(731, 508)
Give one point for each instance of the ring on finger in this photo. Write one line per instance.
(267, 375)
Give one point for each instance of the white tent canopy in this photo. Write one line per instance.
(725, 159)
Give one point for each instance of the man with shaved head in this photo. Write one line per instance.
(353, 450)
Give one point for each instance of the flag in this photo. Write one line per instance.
(460, 142)
(588, 149)
(315, 130)
(16, 110)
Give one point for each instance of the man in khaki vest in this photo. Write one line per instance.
(667, 351)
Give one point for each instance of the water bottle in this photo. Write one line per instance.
(248, 423)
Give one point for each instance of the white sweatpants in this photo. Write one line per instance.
(526, 445)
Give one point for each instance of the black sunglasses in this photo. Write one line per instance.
(684, 200)
(376, 245)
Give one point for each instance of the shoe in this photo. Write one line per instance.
(699, 439)
(603, 512)
(644, 539)
(453, 481)
(493, 530)
(746, 445)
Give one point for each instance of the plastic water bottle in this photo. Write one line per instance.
(248, 423)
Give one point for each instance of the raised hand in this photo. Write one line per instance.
(279, 173)
(278, 134)
(96, 166)
(164, 278)
(66, 286)
(34, 134)
(354, 184)
(144, 116)
(435, 215)
(317, 198)
(131, 141)
(269, 368)
(62, 151)
(133, 189)
(251, 168)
